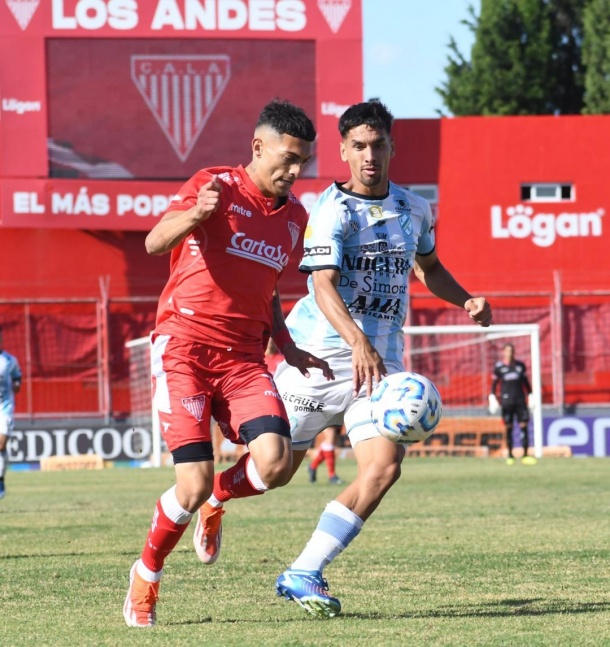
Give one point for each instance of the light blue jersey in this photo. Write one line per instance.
(373, 243)
(10, 373)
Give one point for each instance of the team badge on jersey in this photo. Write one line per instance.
(195, 406)
(406, 224)
(22, 11)
(334, 12)
(181, 92)
(376, 211)
(294, 230)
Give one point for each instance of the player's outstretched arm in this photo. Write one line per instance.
(175, 226)
(294, 355)
(367, 364)
(435, 276)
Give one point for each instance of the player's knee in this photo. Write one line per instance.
(194, 490)
(381, 477)
(192, 498)
(277, 473)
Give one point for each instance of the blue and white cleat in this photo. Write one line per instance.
(308, 588)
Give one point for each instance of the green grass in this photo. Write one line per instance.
(461, 552)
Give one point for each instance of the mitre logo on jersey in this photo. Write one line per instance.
(22, 11)
(334, 12)
(181, 92)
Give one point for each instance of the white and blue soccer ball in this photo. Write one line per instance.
(406, 407)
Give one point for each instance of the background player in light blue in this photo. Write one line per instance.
(10, 383)
(363, 239)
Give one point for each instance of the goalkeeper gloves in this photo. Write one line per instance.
(531, 402)
(494, 405)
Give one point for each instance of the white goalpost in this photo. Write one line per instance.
(459, 359)
(140, 388)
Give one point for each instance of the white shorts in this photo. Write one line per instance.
(315, 403)
(6, 424)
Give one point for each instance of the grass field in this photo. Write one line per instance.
(461, 552)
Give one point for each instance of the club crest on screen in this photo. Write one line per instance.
(181, 92)
(22, 11)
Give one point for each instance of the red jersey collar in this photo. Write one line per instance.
(266, 204)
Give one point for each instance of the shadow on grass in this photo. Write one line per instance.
(500, 609)
(512, 608)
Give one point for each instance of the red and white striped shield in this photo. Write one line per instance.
(195, 406)
(22, 11)
(181, 92)
(334, 11)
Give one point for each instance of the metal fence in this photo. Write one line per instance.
(75, 364)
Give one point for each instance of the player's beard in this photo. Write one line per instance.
(369, 181)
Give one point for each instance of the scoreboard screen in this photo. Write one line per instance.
(107, 106)
(159, 109)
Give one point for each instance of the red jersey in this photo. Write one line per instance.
(223, 274)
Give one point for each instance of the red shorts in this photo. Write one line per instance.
(192, 382)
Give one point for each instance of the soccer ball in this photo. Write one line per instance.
(406, 407)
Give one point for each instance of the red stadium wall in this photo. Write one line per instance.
(499, 242)
(89, 160)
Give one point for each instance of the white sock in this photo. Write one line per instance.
(254, 477)
(214, 502)
(172, 509)
(3, 462)
(337, 528)
(146, 574)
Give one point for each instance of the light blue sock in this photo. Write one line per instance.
(337, 528)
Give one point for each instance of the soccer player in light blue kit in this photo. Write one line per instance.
(363, 239)
(10, 383)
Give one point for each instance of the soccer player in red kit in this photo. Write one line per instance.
(230, 232)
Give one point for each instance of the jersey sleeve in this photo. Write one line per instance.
(427, 241)
(324, 236)
(16, 372)
(525, 381)
(496, 377)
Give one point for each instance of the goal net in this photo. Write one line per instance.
(140, 394)
(460, 361)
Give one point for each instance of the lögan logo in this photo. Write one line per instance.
(520, 221)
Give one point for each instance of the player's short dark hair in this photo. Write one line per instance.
(509, 345)
(370, 113)
(287, 119)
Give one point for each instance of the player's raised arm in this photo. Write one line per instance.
(435, 276)
(175, 226)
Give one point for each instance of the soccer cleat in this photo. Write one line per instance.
(510, 461)
(335, 480)
(312, 473)
(208, 533)
(140, 608)
(308, 588)
(529, 460)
